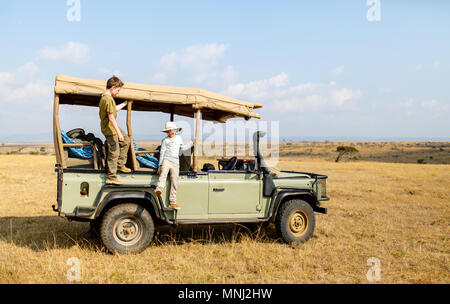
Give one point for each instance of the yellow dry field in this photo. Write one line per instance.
(397, 213)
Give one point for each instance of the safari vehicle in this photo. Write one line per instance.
(237, 191)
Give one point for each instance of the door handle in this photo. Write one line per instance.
(218, 189)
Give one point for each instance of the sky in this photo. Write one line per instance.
(326, 69)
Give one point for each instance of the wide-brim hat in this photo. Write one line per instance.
(170, 125)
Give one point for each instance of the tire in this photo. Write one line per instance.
(295, 221)
(127, 228)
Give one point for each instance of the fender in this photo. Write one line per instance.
(128, 195)
(293, 192)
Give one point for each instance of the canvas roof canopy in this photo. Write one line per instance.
(167, 99)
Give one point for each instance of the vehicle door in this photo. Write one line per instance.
(235, 193)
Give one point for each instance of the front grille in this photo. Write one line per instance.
(323, 182)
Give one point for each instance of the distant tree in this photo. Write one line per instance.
(343, 150)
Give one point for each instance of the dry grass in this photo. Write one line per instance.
(398, 213)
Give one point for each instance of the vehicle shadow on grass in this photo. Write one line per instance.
(215, 234)
(42, 233)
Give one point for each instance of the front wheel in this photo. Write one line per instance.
(295, 221)
(127, 228)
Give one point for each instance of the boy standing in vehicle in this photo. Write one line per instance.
(169, 161)
(117, 141)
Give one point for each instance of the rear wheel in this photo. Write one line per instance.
(127, 228)
(295, 221)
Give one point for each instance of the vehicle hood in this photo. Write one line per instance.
(292, 174)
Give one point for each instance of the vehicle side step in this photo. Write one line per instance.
(84, 211)
(169, 209)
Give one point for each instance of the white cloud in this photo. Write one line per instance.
(195, 63)
(303, 88)
(279, 80)
(73, 52)
(258, 89)
(28, 68)
(20, 85)
(31, 90)
(296, 103)
(229, 75)
(194, 55)
(5, 77)
(275, 93)
(339, 97)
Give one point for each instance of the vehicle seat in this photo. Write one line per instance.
(231, 164)
(207, 167)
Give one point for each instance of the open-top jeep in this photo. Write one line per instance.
(238, 191)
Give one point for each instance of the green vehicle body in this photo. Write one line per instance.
(215, 196)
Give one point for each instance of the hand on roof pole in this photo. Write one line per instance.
(121, 106)
(130, 102)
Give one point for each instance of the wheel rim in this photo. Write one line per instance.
(298, 223)
(128, 231)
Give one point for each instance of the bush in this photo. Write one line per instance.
(343, 150)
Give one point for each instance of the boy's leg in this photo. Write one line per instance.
(174, 172)
(124, 146)
(163, 176)
(112, 143)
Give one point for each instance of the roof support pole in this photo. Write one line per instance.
(57, 137)
(134, 162)
(172, 113)
(197, 140)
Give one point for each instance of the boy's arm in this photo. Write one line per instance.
(123, 104)
(115, 126)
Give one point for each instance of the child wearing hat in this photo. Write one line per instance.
(171, 146)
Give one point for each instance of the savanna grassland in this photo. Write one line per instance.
(396, 212)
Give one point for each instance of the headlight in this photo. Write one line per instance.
(323, 182)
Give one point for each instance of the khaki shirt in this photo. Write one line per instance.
(107, 106)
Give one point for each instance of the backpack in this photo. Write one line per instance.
(80, 134)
